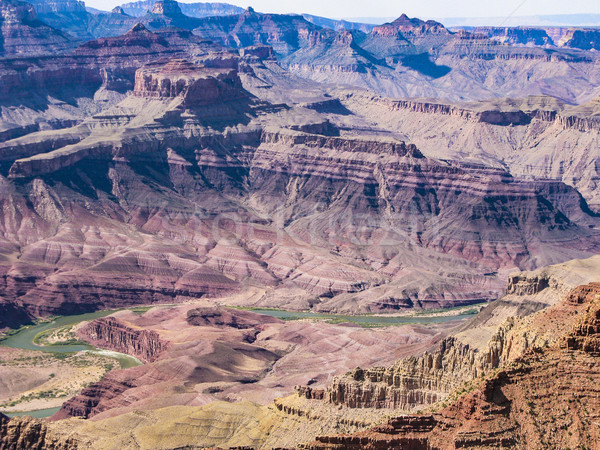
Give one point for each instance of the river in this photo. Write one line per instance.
(25, 337)
(371, 320)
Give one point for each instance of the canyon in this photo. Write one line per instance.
(256, 197)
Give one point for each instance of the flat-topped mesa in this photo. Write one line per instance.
(166, 8)
(518, 35)
(196, 85)
(585, 39)
(138, 40)
(406, 26)
(343, 144)
(261, 52)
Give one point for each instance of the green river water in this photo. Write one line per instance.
(25, 337)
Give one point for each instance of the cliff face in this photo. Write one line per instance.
(520, 35)
(111, 334)
(499, 133)
(418, 381)
(285, 33)
(58, 6)
(22, 33)
(140, 8)
(515, 324)
(26, 432)
(586, 39)
(197, 86)
(544, 398)
(238, 182)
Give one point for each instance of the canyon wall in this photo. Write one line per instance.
(29, 433)
(523, 404)
(515, 324)
(111, 334)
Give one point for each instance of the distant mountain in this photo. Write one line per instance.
(22, 33)
(139, 9)
(69, 16)
(337, 25)
(285, 33)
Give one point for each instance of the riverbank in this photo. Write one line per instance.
(36, 379)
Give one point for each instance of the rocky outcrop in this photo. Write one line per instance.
(166, 7)
(586, 39)
(196, 85)
(586, 334)
(497, 117)
(523, 404)
(96, 398)
(521, 321)
(415, 381)
(223, 317)
(29, 433)
(310, 393)
(285, 33)
(111, 334)
(410, 27)
(516, 35)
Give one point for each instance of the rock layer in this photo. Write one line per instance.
(109, 333)
(26, 432)
(544, 398)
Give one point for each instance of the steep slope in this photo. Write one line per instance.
(586, 39)
(416, 58)
(69, 16)
(502, 332)
(536, 136)
(209, 189)
(31, 433)
(47, 92)
(285, 33)
(519, 35)
(545, 398)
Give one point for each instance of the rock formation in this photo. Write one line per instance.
(586, 39)
(23, 34)
(542, 398)
(500, 133)
(429, 378)
(408, 27)
(519, 35)
(274, 194)
(140, 8)
(26, 432)
(197, 86)
(109, 333)
(199, 355)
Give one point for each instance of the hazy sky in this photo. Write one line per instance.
(393, 8)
